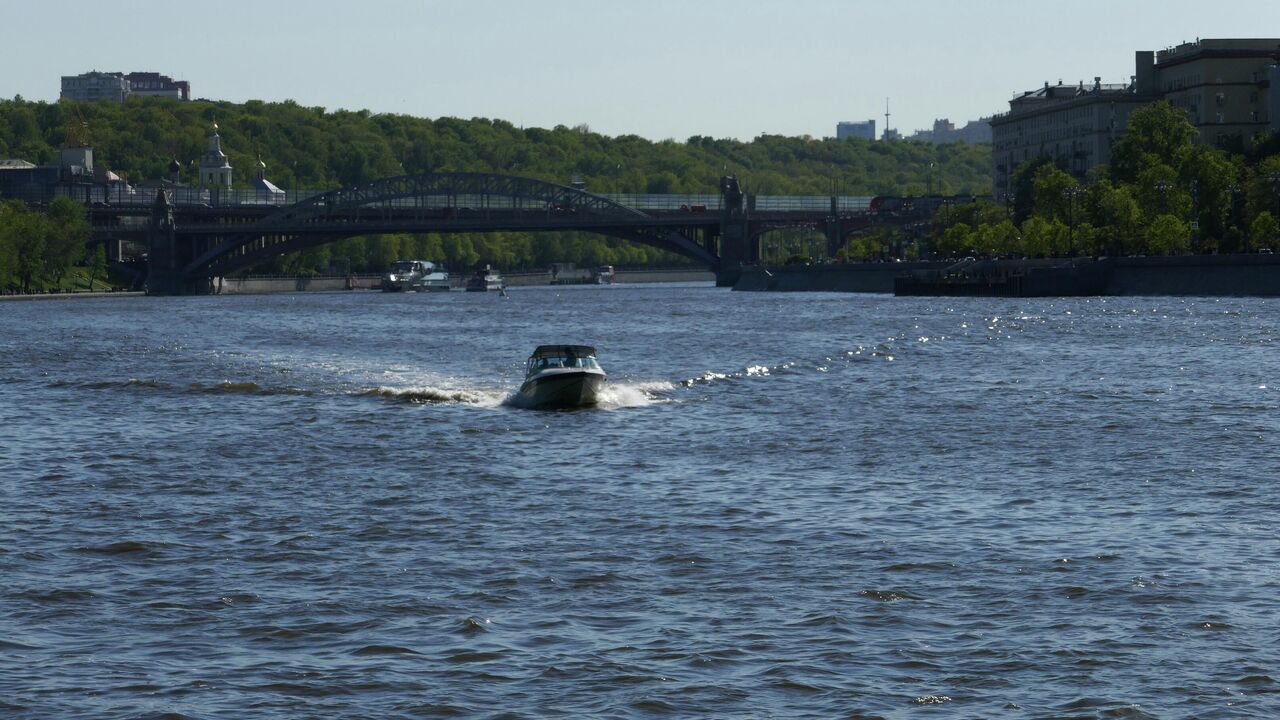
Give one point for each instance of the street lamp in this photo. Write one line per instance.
(1010, 199)
(1162, 187)
(1233, 213)
(1274, 179)
(1071, 194)
(1195, 214)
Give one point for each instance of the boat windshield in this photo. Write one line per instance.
(402, 267)
(544, 363)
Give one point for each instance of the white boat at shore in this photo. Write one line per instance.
(414, 275)
(436, 281)
(562, 376)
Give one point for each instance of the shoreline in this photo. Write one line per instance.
(71, 295)
(1245, 275)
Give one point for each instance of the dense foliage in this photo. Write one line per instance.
(37, 249)
(311, 148)
(1162, 194)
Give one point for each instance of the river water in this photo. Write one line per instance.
(791, 505)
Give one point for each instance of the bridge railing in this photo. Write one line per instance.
(663, 201)
(122, 195)
(810, 203)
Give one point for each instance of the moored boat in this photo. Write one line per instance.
(562, 376)
(437, 281)
(406, 275)
(486, 279)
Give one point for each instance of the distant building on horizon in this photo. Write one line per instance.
(1228, 88)
(153, 84)
(975, 132)
(93, 86)
(865, 129)
(116, 87)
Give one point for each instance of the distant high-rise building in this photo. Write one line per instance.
(849, 129)
(93, 86)
(153, 84)
(114, 86)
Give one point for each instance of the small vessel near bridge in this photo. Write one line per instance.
(486, 279)
(415, 275)
(562, 376)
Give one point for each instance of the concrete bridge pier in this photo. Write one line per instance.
(164, 257)
(735, 233)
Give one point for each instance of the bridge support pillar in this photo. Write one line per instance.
(164, 256)
(162, 262)
(835, 237)
(735, 233)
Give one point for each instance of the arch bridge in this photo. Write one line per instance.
(194, 235)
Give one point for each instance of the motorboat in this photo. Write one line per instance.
(436, 281)
(562, 376)
(486, 279)
(604, 275)
(406, 275)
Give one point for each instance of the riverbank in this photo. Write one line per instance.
(70, 295)
(1254, 275)
(276, 284)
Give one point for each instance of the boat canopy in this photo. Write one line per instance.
(543, 351)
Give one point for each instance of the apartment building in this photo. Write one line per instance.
(1226, 86)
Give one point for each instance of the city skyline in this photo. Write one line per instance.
(661, 70)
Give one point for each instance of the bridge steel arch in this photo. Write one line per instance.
(443, 203)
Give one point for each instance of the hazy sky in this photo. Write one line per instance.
(656, 68)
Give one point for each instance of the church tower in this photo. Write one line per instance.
(215, 170)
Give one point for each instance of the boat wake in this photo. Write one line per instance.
(641, 394)
(438, 396)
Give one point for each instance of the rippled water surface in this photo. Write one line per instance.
(319, 505)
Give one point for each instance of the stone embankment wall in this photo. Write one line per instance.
(846, 277)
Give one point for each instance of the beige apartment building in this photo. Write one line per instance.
(1226, 87)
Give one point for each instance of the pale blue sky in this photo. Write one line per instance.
(657, 68)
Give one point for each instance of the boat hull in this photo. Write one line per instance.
(563, 390)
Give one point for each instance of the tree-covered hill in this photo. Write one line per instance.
(307, 147)
(312, 148)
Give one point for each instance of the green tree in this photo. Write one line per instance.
(66, 231)
(1159, 192)
(1001, 238)
(1264, 232)
(1052, 193)
(1167, 235)
(1156, 134)
(1116, 217)
(1044, 237)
